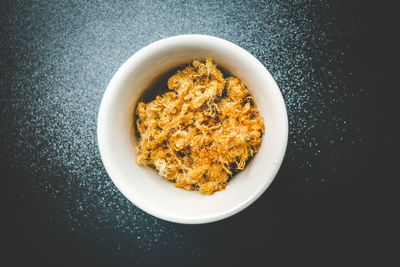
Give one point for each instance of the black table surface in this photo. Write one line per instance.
(334, 200)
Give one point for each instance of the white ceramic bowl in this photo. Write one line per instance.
(142, 185)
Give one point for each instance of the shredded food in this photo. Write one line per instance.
(202, 131)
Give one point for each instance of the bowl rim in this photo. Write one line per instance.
(105, 104)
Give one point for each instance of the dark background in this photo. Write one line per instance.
(335, 200)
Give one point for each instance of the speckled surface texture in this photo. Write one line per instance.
(331, 201)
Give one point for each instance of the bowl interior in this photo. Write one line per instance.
(142, 185)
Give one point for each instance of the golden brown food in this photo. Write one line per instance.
(202, 131)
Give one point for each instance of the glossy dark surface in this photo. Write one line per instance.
(334, 200)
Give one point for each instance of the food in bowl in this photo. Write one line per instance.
(136, 80)
(201, 132)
